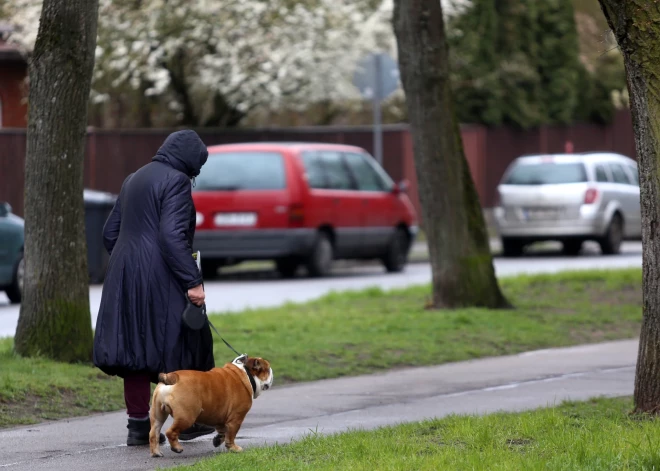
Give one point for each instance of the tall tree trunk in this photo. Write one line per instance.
(462, 265)
(54, 318)
(636, 25)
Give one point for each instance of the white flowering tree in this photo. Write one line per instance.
(212, 61)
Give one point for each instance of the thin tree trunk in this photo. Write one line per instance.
(177, 70)
(224, 115)
(636, 24)
(144, 104)
(54, 318)
(462, 264)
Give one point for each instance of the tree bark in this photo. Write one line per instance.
(461, 261)
(54, 318)
(636, 25)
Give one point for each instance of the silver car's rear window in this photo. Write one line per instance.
(546, 173)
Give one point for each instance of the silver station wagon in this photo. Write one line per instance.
(570, 198)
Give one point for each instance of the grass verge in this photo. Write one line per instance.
(595, 435)
(347, 334)
(357, 333)
(35, 389)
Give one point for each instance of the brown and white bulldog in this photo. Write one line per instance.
(220, 398)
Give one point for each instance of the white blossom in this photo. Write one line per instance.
(252, 53)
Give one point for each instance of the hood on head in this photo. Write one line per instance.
(183, 150)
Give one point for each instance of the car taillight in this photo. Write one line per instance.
(590, 196)
(296, 213)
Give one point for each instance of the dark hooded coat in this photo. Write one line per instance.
(149, 237)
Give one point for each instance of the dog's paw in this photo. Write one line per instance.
(235, 449)
(218, 439)
(177, 450)
(157, 454)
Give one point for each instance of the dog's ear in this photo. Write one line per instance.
(256, 364)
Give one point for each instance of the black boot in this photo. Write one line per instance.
(138, 432)
(197, 430)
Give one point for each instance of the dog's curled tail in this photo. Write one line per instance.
(168, 378)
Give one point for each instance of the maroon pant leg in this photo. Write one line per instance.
(137, 392)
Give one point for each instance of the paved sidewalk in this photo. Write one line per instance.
(512, 383)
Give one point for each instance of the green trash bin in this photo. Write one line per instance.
(98, 206)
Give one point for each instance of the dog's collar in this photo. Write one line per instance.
(238, 361)
(253, 383)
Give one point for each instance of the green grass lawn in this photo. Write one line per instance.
(358, 333)
(598, 435)
(350, 334)
(35, 389)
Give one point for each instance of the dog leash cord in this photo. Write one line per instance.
(226, 343)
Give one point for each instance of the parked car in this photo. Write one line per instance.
(299, 204)
(11, 254)
(569, 198)
(97, 208)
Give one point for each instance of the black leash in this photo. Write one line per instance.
(253, 383)
(218, 333)
(227, 343)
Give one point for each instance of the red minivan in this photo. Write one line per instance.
(299, 204)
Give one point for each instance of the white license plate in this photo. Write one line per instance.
(235, 219)
(541, 214)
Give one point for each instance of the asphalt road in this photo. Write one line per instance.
(513, 383)
(238, 292)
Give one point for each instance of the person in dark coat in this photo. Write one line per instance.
(149, 235)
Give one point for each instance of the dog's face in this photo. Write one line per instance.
(262, 372)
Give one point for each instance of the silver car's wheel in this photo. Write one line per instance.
(611, 243)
